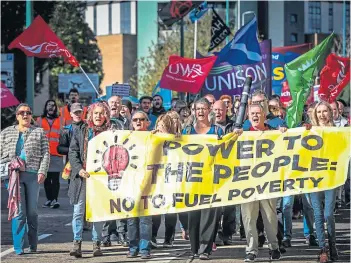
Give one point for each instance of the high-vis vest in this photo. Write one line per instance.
(52, 132)
(67, 116)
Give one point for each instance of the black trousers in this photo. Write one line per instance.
(170, 224)
(52, 185)
(228, 223)
(114, 227)
(202, 229)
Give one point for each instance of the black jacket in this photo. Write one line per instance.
(66, 137)
(158, 112)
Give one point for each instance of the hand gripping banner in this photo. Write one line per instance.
(142, 174)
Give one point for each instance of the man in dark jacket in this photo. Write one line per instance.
(117, 121)
(157, 105)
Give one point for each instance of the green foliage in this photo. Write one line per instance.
(69, 25)
(169, 44)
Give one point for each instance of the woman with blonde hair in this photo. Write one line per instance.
(322, 116)
(177, 125)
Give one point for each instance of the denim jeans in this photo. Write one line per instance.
(139, 234)
(288, 202)
(320, 215)
(25, 225)
(78, 218)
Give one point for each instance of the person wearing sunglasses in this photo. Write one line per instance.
(25, 148)
(140, 228)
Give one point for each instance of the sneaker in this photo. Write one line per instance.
(323, 255)
(250, 257)
(76, 250)
(261, 240)
(167, 244)
(311, 241)
(97, 249)
(106, 242)
(55, 204)
(47, 204)
(132, 255)
(193, 256)
(286, 243)
(145, 255)
(204, 256)
(275, 254)
(153, 242)
(214, 247)
(282, 249)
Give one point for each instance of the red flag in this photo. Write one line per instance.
(334, 77)
(38, 40)
(7, 98)
(186, 74)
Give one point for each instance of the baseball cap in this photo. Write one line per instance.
(76, 107)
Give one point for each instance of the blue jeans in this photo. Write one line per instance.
(78, 218)
(25, 225)
(288, 202)
(139, 234)
(329, 197)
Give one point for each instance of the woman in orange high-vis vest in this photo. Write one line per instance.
(52, 123)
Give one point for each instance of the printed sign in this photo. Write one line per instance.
(7, 73)
(142, 174)
(122, 90)
(77, 81)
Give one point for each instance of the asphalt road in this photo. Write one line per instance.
(55, 234)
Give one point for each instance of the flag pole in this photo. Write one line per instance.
(195, 39)
(30, 60)
(85, 74)
(227, 18)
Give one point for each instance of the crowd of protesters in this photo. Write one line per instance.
(37, 152)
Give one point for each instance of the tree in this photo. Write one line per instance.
(69, 25)
(169, 44)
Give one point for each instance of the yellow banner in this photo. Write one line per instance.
(140, 174)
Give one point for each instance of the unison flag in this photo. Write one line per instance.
(198, 12)
(176, 10)
(219, 31)
(300, 74)
(334, 77)
(38, 40)
(244, 48)
(186, 74)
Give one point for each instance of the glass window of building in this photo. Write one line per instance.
(125, 18)
(293, 37)
(293, 18)
(314, 17)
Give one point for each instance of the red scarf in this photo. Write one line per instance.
(14, 187)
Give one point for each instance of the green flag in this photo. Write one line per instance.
(300, 74)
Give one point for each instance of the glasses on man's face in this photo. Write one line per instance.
(138, 119)
(23, 113)
(258, 102)
(201, 109)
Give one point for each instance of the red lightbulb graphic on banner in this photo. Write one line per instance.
(115, 160)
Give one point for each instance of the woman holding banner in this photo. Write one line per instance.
(140, 228)
(323, 116)
(203, 222)
(98, 121)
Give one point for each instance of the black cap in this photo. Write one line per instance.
(128, 104)
(145, 97)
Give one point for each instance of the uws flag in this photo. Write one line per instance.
(186, 74)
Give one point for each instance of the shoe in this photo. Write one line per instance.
(193, 256)
(275, 254)
(227, 242)
(122, 240)
(250, 257)
(106, 242)
(20, 253)
(153, 242)
(47, 204)
(97, 249)
(333, 252)
(32, 249)
(204, 256)
(219, 242)
(132, 255)
(282, 249)
(311, 241)
(185, 235)
(167, 244)
(261, 240)
(323, 255)
(145, 255)
(76, 250)
(55, 204)
(214, 247)
(286, 243)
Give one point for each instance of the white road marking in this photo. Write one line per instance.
(69, 224)
(10, 250)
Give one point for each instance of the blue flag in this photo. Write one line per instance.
(244, 48)
(198, 12)
(166, 95)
